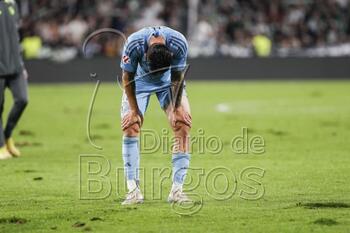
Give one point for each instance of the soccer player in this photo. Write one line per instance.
(154, 61)
(12, 75)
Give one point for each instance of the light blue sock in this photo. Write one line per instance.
(181, 162)
(131, 157)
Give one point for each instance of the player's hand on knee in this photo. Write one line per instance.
(131, 119)
(179, 115)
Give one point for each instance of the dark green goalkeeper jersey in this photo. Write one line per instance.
(10, 52)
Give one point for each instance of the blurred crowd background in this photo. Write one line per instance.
(56, 29)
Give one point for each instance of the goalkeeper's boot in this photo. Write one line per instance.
(10, 145)
(4, 154)
(177, 195)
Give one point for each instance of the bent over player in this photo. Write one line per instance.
(12, 75)
(154, 62)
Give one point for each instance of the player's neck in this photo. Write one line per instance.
(156, 40)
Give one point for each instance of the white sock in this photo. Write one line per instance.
(131, 185)
(176, 187)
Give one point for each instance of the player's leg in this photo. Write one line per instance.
(131, 151)
(18, 86)
(4, 154)
(181, 152)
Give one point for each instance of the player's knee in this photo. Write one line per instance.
(181, 130)
(21, 102)
(132, 131)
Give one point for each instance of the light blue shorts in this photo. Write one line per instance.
(164, 98)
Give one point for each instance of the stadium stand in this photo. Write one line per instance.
(238, 28)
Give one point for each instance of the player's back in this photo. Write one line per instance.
(134, 57)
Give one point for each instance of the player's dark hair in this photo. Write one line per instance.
(159, 57)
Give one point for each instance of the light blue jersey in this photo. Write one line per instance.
(134, 58)
(134, 61)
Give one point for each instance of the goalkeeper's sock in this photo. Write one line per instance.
(131, 157)
(181, 162)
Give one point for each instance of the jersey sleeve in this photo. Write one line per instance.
(130, 57)
(179, 61)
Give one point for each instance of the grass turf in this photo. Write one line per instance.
(305, 125)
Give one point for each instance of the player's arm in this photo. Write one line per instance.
(179, 112)
(134, 116)
(129, 63)
(178, 71)
(129, 88)
(177, 81)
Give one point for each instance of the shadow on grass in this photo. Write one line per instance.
(28, 144)
(325, 221)
(277, 132)
(26, 133)
(13, 220)
(96, 219)
(82, 225)
(38, 178)
(320, 205)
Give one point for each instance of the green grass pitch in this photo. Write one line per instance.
(305, 187)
